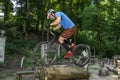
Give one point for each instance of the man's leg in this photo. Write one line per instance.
(72, 45)
(65, 45)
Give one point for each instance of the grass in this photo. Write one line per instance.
(7, 74)
(1, 64)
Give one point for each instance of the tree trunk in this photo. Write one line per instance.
(62, 72)
(27, 24)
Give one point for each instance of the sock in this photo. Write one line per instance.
(68, 41)
(66, 46)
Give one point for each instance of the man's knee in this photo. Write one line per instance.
(61, 40)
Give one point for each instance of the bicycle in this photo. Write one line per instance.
(81, 52)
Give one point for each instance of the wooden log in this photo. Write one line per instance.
(63, 72)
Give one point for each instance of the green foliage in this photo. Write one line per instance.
(92, 19)
(1, 24)
(1, 64)
(16, 43)
(98, 23)
(28, 53)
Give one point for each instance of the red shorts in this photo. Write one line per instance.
(69, 32)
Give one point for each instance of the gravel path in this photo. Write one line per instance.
(93, 70)
(94, 74)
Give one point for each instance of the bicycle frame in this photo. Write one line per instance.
(54, 51)
(54, 40)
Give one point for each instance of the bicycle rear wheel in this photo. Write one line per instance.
(81, 55)
(44, 54)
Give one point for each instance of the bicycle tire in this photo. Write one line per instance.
(39, 59)
(81, 55)
(53, 54)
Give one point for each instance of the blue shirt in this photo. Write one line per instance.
(66, 22)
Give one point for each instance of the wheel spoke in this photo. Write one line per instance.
(81, 55)
(44, 54)
(78, 59)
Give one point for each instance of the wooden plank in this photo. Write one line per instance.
(25, 72)
(20, 73)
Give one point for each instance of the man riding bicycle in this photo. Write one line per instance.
(62, 20)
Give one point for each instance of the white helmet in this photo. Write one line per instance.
(49, 13)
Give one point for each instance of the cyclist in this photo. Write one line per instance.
(62, 20)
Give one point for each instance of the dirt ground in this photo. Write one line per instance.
(12, 65)
(10, 74)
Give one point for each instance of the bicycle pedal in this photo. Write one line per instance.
(67, 58)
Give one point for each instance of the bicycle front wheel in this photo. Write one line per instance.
(51, 54)
(43, 54)
(81, 55)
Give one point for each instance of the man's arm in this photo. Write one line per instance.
(57, 21)
(57, 27)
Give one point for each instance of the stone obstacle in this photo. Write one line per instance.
(118, 64)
